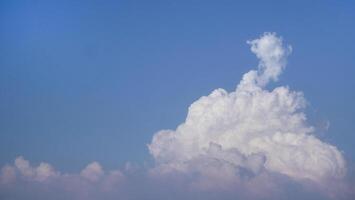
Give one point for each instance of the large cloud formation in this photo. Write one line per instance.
(250, 130)
(251, 143)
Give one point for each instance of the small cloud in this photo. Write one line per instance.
(40, 173)
(92, 172)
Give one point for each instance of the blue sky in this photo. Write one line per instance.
(83, 81)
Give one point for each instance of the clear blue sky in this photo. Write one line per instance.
(83, 81)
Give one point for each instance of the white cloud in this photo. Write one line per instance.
(272, 57)
(39, 173)
(92, 172)
(24, 166)
(45, 180)
(251, 129)
(45, 171)
(251, 143)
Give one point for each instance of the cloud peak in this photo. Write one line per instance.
(272, 55)
(251, 143)
(251, 128)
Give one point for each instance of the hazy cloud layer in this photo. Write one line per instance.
(24, 181)
(20, 180)
(251, 143)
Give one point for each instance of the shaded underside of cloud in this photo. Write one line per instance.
(251, 143)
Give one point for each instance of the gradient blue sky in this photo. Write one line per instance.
(85, 80)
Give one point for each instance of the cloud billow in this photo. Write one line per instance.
(251, 143)
(251, 130)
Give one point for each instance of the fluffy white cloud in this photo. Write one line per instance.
(272, 57)
(40, 173)
(45, 180)
(251, 143)
(24, 166)
(92, 172)
(249, 130)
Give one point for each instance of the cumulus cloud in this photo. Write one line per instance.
(92, 172)
(251, 143)
(43, 181)
(40, 173)
(272, 55)
(250, 131)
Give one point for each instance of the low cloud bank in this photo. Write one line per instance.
(251, 143)
(24, 181)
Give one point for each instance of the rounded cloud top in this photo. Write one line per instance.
(250, 130)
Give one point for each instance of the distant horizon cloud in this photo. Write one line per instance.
(251, 143)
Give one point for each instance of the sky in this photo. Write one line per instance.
(111, 91)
